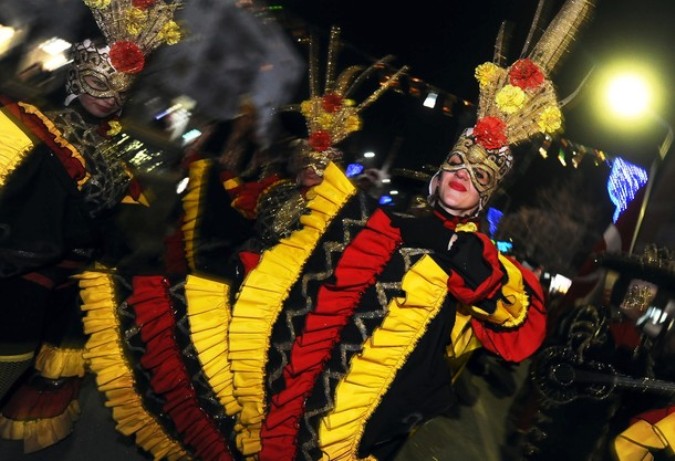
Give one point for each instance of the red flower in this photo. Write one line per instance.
(490, 132)
(127, 57)
(331, 102)
(319, 140)
(525, 74)
(143, 4)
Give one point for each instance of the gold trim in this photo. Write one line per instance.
(58, 138)
(360, 391)
(191, 207)
(208, 312)
(40, 433)
(634, 443)
(261, 299)
(14, 145)
(114, 376)
(56, 362)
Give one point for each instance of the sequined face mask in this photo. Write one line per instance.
(486, 168)
(92, 73)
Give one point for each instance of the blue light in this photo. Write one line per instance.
(386, 200)
(624, 181)
(493, 217)
(354, 169)
(504, 247)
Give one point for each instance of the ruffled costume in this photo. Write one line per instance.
(54, 219)
(335, 346)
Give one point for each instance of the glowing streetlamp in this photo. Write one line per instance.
(629, 95)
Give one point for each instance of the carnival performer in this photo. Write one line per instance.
(272, 199)
(336, 343)
(63, 185)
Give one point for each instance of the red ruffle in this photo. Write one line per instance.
(361, 263)
(518, 344)
(73, 166)
(169, 377)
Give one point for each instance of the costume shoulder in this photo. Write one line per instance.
(23, 129)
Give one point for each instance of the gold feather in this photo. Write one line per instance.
(560, 33)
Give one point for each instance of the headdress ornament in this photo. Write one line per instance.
(331, 115)
(516, 103)
(132, 29)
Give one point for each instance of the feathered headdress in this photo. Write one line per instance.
(518, 102)
(132, 29)
(331, 115)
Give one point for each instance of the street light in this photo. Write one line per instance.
(629, 95)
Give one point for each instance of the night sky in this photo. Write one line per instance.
(443, 41)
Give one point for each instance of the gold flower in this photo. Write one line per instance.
(170, 33)
(510, 99)
(307, 108)
(353, 123)
(486, 73)
(550, 119)
(325, 120)
(136, 21)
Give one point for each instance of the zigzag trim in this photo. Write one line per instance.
(261, 299)
(360, 264)
(114, 376)
(169, 377)
(359, 393)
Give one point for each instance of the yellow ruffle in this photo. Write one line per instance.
(261, 298)
(360, 391)
(58, 138)
(40, 433)
(55, 362)
(14, 145)
(114, 378)
(209, 317)
(634, 443)
(463, 341)
(191, 203)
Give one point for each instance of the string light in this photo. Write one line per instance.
(625, 179)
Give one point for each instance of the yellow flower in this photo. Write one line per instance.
(510, 99)
(353, 123)
(114, 128)
(136, 21)
(306, 108)
(550, 119)
(97, 4)
(486, 73)
(325, 120)
(170, 33)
